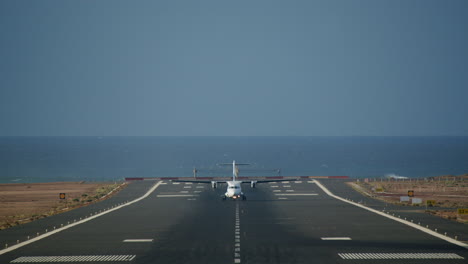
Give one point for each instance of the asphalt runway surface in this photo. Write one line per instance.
(285, 222)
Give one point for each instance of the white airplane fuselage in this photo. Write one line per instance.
(234, 190)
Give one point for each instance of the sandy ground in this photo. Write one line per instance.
(23, 202)
(447, 192)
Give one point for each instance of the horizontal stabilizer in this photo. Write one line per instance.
(230, 164)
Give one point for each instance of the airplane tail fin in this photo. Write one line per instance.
(235, 170)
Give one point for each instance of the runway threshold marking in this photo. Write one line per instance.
(408, 223)
(336, 238)
(32, 240)
(399, 256)
(84, 258)
(138, 240)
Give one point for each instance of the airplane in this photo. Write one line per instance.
(234, 188)
(396, 177)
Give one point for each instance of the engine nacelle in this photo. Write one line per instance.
(214, 184)
(253, 184)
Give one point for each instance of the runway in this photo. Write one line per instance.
(286, 222)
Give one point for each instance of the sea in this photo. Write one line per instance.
(97, 159)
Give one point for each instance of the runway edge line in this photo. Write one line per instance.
(32, 240)
(425, 230)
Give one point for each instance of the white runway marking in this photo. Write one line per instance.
(138, 240)
(296, 194)
(400, 256)
(276, 190)
(188, 183)
(200, 187)
(287, 186)
(336, 238)
(197, 191)
(414, 225)
(183, 191)
(237, 237)
(191, 199)
(274, 186)
(187, 187)
(285, 182)
(282, 198)
(175, 195)
(163, 183)
(289, 190)
(84, 258)
(298, 182)
(310, 181)
(176, 183)
(27, 242)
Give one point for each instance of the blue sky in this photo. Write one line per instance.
(233, 68)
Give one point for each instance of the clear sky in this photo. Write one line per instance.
(242, 68)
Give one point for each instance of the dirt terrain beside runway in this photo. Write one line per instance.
(26, 202)
(447, 193)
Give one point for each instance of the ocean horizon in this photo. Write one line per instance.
(45, 159)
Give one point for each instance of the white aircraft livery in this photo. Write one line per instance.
(234, 188)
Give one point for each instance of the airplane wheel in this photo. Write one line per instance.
(244, 198)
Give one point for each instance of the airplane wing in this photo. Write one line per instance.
(197, 181)
(262, 181)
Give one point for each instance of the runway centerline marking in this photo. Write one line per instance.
(237, 237)
(336, 238)
(32, 240)
(416, 226)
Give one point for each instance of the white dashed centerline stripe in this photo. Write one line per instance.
(237, 237)
(32, 240)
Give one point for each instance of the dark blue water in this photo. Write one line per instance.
(38, 159)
